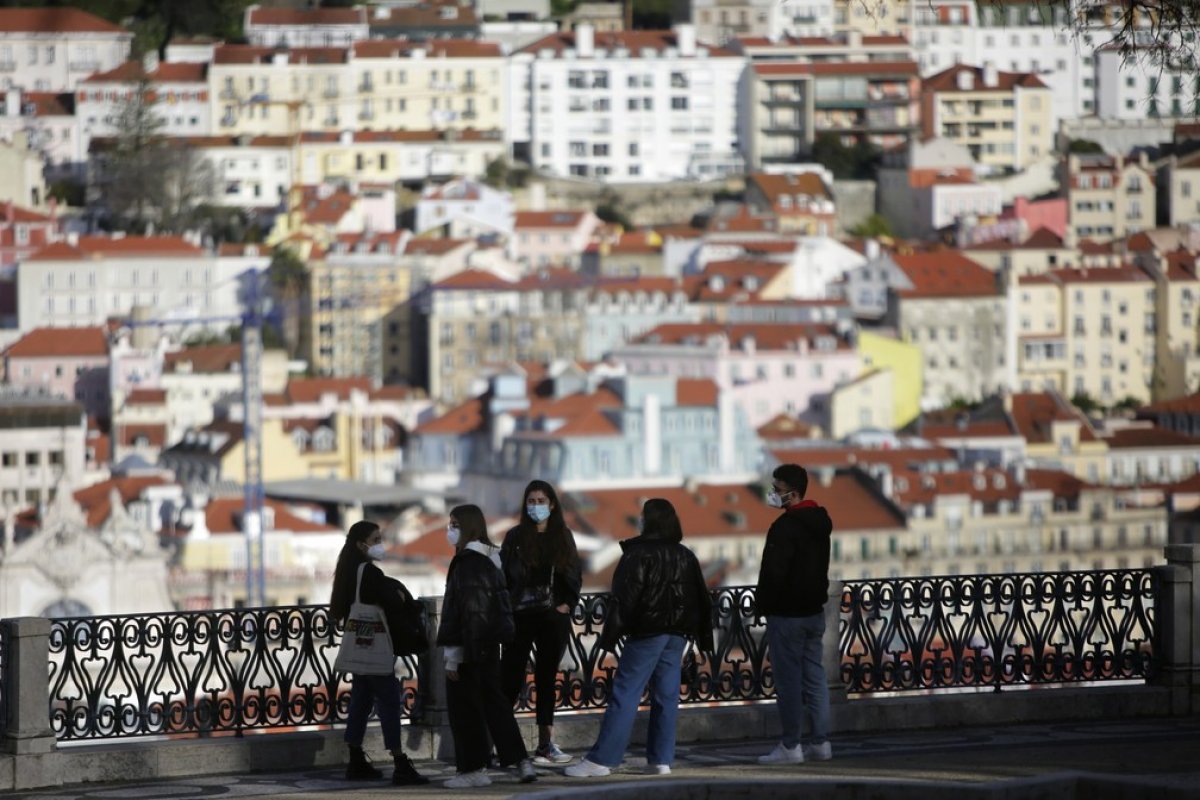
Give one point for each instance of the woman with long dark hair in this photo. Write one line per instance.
(659, 599)
(476, 620)
(364, 545)
(544, 575)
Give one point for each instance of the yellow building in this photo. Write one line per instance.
(1176, 323)
(1108, 197)
(372, 85)
(1003, 118)
(1088, 331)
(864, 403)
(1058, 434)
(903, 361)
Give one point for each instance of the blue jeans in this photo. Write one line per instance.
(653, 660)
(799, 675)
(374, 691)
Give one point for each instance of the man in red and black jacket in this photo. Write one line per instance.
(793, 585)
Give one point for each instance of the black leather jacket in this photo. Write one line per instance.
(658, 588)
(476, 614)
(520, 575)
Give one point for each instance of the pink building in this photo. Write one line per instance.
(552, 238)
(769, 369)
(23, 233)
(63, 362)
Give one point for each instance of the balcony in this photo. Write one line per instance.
(330, 91)
(84, 65)
(8, 66)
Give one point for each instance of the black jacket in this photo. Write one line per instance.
(793, 580)
(388, 593)
(476, 613)
(658, 588)
(520, 575)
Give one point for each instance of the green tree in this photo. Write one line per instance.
(1084, 147)
(857, 162)
(287, 276)
(609, 211)
(496, 173)
(873, 227)
(1086, 403)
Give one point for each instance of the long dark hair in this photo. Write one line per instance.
(345, 576)
(472, 525)
(549, 548)
(659, 520)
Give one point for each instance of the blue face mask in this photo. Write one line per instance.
(538, 513)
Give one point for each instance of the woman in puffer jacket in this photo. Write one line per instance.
(476, 620)
(659, 599)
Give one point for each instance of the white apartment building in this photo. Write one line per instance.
(43, 445)
(180, 92)
(86, 280)
(48, 120)
(305, 27)
(722, 21)
(465, 208)
(1138, 87)
(629, 106)
(248, 171)
(53, 49)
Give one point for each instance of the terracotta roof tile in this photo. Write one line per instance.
(633, 41)
(946, 273)
(774, 187)
(96, 499)
(1179, 405)
(474, 280)
(60, 342)
(947, 80)
(458, 421)
(223, 516)
(1133, 438)
(146, 397)
(434, 247)
(154, 434)
(910, 69)
(783, 426)
(548, 219)
(49, 104)
(54, 20)
(434, 48)
(251, 54)
(696, 392)
(93, 247)
(896, 458)
(311, 390)
(766, 336)
(308, 16)
(1034, 413)
(206, 359)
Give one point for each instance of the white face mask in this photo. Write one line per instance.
(452, 535)
(774, 499)
(376, 552)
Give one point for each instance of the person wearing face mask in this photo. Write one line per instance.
(364, 545)
(476, 621)
(544, 575)
(793, 585)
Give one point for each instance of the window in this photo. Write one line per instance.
(679, 104)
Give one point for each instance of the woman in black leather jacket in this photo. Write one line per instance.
(659, 598)
(544, 576)
(476, 620)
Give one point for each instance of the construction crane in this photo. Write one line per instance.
(253, 494)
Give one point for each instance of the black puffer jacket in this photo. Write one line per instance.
(793, 580)
(521, 575)
(476, 613)
(658, 588)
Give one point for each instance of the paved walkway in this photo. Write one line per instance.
(1153, 758)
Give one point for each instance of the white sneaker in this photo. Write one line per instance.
(783, 755)
(469, 780)
(526, 772)
(587, 769)
(818, 752)
(658, 769)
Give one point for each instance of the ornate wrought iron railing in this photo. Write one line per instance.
(996, 630)
(207, 672)
(220, 672)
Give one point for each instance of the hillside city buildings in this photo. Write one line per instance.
(944, 255)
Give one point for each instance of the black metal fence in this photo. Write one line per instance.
(222, 672)
(206, 672)
(996, 630)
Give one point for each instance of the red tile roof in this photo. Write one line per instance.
(1125, 273)
(696, 392)
(548, 219)
(434, 48)
(155, 434)
(167, 72)
(96, 499)
(433, 247)
(633, 41)
(775, 186)
(783, 426)
(765, 336)
(54, 20)
(945, 273)
(474, 280)
(49, 104)
(250, 54)
(1134, 438)
(146, 397)
(308, 16)
(1180, 405)
(311, 390)
(947, 80)
(458, 421)
(223, 516)
(59, 343)
(93, 247)
(1034, 413)
(206, 359)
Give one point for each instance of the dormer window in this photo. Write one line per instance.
(998, 481)
(323, 440)
(716, 283)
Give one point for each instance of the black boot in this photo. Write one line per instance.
(359, 769)
(405, 773)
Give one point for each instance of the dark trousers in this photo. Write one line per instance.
(381, 692)
(548, 632)
(477, 707)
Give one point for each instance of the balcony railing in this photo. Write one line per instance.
(271, 668)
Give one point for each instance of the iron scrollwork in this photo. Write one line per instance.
(996, 630)
(200, 673)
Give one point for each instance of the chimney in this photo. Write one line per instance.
(12, 103)
(73, 239)
(825, 476)
(854, 39)
(585, 40)
(652, 433)
(685, 39)
(991, 78)
(887, 483)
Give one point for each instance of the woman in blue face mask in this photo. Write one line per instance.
(544, 575)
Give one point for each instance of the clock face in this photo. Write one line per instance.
(66, 607)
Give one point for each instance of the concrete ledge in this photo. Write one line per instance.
(150, 759)
(1063, 786)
